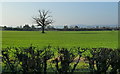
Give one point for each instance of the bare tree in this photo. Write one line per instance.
(43, 19)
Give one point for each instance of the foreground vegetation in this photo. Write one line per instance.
(61, 61)
(97, 53)
(68, 39)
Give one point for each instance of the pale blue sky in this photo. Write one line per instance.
(88, 13)
(59, 0)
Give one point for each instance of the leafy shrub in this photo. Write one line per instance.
(27, 59)
(65, 62)
(32, 59)
(102, 58)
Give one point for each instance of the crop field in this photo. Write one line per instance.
(84, 39)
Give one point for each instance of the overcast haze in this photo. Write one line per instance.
(70, 13)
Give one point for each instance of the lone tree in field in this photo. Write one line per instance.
(43, 19)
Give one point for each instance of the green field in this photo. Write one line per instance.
(84, 39)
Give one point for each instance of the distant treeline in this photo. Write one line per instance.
(65, 28)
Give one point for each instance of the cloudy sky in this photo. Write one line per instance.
(70, 13)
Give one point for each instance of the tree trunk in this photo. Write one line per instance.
(43, 28)
(45, 65)
(72, 72)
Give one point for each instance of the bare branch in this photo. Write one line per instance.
(48, 17)
(43, 19)
(37, 21)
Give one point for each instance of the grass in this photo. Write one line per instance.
(84, 39)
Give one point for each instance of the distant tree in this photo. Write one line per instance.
(33, 27)
(76, 27)
(65, 27)
(5, 27)
(43, 19)
(49, 27)
(71, 27)
(20, 26)
(97, 27)
(26, 27)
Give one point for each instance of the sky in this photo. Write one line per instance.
(63, 13)
(59, 0)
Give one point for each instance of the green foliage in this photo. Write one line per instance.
(63, 61)
(102, 59)
(25, 59)
(115, 62)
